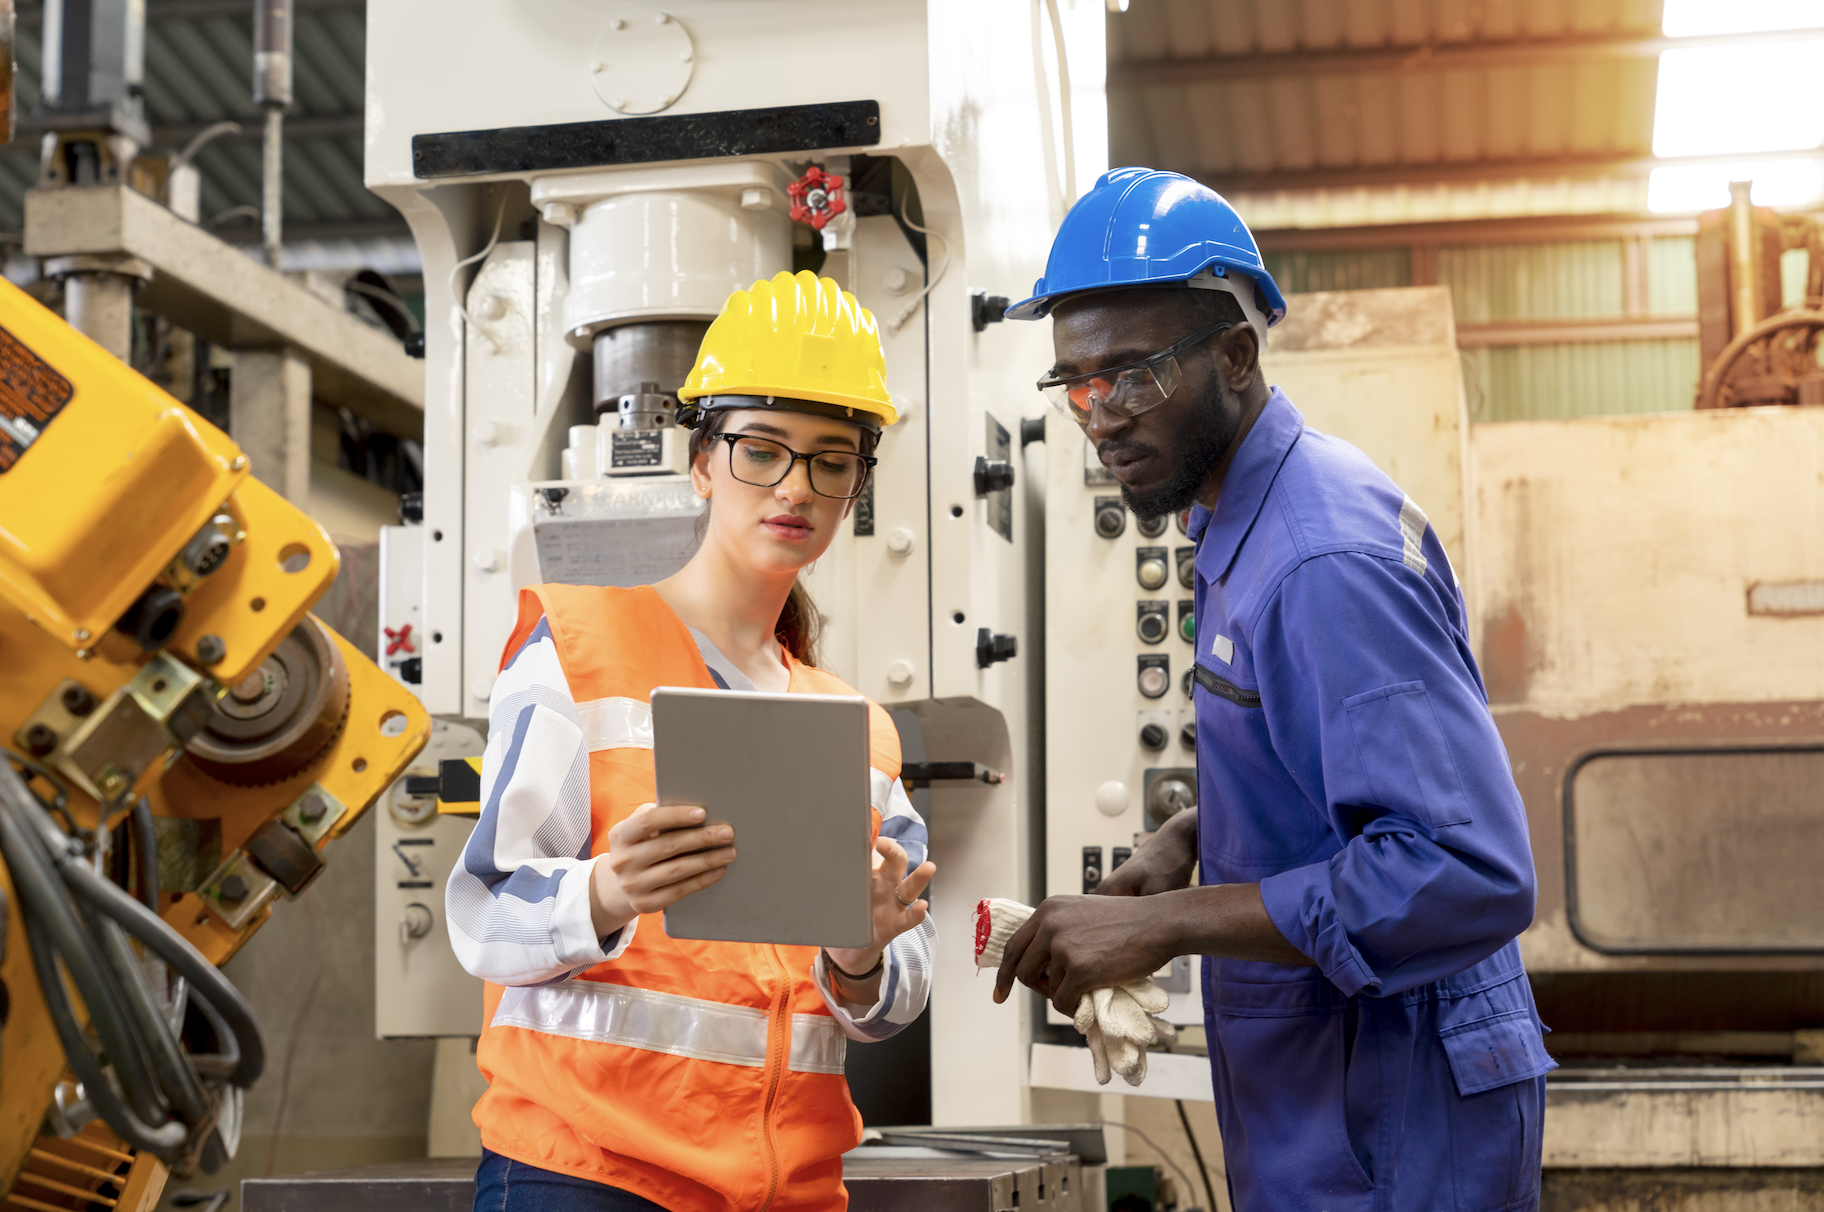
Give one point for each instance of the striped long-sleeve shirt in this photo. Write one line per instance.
(518, 902)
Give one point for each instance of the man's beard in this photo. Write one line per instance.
(1201, 439)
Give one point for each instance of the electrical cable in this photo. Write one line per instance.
(1209, 1191)
(1068, 194)
(207, 135)
(1163, 1155)
(899, 321)
(297, 1021)
(462, 304)
(79, 924)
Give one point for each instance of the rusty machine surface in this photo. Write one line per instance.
(182, 738)
(1754, 350)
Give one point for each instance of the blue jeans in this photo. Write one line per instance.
(505, 1185)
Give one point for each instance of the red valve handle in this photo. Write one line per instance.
(816, 197)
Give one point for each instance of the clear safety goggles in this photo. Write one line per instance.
(1127, 390)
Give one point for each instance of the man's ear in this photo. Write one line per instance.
(1238, 354)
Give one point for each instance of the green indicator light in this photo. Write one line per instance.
(1187, 627)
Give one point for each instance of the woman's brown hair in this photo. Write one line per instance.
(800, 626)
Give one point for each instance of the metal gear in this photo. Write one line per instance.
(279, 718)
(1775, 362)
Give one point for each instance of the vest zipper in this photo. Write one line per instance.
(778, 1043)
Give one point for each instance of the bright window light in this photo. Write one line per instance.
(1690, 18)
(1682, 188)
(1721, 100)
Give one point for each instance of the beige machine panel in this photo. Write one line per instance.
(420, 989)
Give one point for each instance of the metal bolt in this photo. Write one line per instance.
(239, 464)
(40, 740)
(312, 807)
(233, 889)
(210, 649)
(83, 654)
(113, 785)
(77, 701)
(82, 634)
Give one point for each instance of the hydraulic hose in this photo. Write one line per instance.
(150, 1090)
(145, 843)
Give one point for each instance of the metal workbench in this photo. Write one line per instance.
(879, 1178)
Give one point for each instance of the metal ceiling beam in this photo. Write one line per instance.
(1521, 229)
(1428, 56)
(1470, 172)
(31, 12)
(300, 126)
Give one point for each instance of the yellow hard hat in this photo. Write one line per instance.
(793, 340)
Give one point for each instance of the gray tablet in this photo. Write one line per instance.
(790, 773)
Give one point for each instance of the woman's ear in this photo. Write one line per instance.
(699, 471)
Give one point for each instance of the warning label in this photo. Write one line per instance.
(638, 448)
(31, 396)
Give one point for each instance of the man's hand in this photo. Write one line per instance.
(1074, 944)
(656, 857)
(896, 908)
(1163, 863)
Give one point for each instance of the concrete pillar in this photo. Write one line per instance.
(269, 416)
(100, 307)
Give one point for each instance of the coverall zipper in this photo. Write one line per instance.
(1220, 686)
(779, 1038)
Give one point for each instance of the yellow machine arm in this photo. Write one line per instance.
(181, 740)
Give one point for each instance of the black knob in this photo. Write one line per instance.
(40, 740)
(1153, 736)
(986, 309)
(991, 648)
(233, 889)
(414, 345)
(1032, 429)
(77, 700)
(1187, 736)
(151, 620)
(411, 507)
(1187, 567)
(1152, 528)
(411, 670)
(992, 475)
(1111, 520)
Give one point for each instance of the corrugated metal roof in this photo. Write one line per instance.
(199, 60)
(1317, 117)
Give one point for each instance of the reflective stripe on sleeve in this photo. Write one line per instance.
(880, 790)
(668, 1022)
(615, 723)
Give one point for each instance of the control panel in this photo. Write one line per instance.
(1120, 631)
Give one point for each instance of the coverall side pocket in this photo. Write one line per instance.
(1495, 1126)
(1495, 1051)
(1405, 754)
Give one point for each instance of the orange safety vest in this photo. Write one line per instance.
(698, 1075)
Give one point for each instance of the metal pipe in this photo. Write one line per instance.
(272, 24)
(1744, 264)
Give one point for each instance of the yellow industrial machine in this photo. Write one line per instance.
(181, 739)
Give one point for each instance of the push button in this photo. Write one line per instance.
(1150, 567)
(1110, 517)
(1151, 622)
(1155, 676)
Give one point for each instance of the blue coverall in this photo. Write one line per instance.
(1347, 763)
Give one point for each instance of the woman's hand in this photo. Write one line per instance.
(656, 857)
(897, 908)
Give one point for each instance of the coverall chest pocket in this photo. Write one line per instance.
(1404, 755)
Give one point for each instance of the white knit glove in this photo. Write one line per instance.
(1119, 1023)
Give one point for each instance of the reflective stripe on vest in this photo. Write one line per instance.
(668, 1022)
(619, 723)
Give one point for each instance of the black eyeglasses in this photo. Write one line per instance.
(762, 462)
(1126, 390)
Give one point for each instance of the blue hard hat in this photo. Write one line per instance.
(1143, 227)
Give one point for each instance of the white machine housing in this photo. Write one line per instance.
(996, 118)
